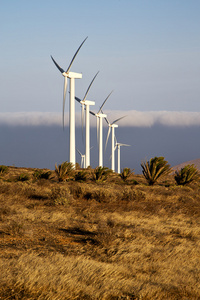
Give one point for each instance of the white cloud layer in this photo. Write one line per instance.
(133, 118)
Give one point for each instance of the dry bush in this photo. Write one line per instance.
(60, 196)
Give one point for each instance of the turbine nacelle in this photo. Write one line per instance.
(113, 125)
(73, 75)
(101, 115)
(87, 102)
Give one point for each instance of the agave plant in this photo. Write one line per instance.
(64, 171)
(186, 175)
(156, 168)
(125, 173)
(101, 173)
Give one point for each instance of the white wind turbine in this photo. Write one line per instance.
(113, 126)
(72, 76)
(82, 159)
(118, 145)
(100, 115)
(87, 104)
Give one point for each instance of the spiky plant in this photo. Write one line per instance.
(81, 176)
(186, 175)
(101, 173)
(64, 170)
(156, 168)
(40, 174)
(125, 173)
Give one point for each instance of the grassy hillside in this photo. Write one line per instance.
(98, 240)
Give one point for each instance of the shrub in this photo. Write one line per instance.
(39, 174)
(60, 196)
(186, 175)
(156, 168)
(126, 173)
(101, 173)
(64, 171)
(3, 169)
(23, 177)
(81, 176)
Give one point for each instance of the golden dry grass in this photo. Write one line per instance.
(110, 240)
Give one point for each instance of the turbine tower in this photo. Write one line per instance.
(82, 159)
(100, 115)
(118, 145)
(113, 126)
(72, 76)
(87, 104)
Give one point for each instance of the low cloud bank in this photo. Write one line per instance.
(133, 118)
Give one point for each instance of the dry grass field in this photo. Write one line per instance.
(98, 240)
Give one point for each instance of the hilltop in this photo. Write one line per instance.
(98, 240)
(195, 162)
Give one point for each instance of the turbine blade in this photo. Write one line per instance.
(107, 137)
(125, 145)
(75, 55)
(90, 86)
(92, 113)
(57, 65)
(78, 99)
(64, 98)
(107, 121)
(118, 120)
(115, 140)
(79, 151)
(104, 101)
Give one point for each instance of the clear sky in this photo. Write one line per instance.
(147, 51)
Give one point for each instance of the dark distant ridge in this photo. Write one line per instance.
(195, 162)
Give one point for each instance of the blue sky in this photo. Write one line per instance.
(148, 52)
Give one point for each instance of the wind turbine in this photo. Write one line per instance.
(113, 126)
(100, 115)
(87, 104)
(82, 159)
(118, 145)
(72, 76)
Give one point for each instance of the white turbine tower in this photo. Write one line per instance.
(82, 159)
(87, 104)
(100, 115)
(113, 126)
(72, 76)
(118, 145)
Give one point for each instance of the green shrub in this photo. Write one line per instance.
(40, 174)
(126, 173)
(80, 176)
(101, 173)
(156, 168)
(3, 169)
(186, 175)
(64, 171)
(23, 177)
